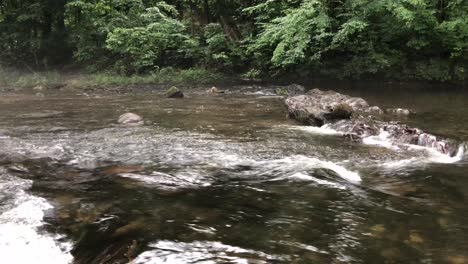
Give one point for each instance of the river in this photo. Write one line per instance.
(225, 179)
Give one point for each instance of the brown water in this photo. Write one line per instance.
(225, 179)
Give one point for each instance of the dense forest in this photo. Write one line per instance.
(392, 39)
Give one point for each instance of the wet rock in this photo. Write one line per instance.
(320, 107)
(295, 89)
(360, 128)
(398, 111)
(356, 103)
(130, 119)
(345, 114)
(213, 90)
(375, 110)
(174, 92)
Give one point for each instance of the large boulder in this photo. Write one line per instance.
(320, 107)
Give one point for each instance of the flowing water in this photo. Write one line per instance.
(225, 179)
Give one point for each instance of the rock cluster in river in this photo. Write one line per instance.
(318, 107)
(356, 119)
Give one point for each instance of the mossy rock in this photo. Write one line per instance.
(174, 92)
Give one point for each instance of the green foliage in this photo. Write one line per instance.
(298, 37)
(145, 46)
(402, 39)
(165, 76)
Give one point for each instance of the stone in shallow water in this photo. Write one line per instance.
(130, 119)
(174, 92)
(213, 90)
(374, 110)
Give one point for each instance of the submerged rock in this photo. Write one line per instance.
(213, 90)
(174, 92)
(130, 119)
(344, 114)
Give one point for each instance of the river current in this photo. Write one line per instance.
(226, 179)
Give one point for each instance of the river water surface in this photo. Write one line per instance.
(225, 179)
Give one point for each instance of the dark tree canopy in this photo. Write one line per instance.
(412, 39)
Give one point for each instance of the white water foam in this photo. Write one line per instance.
(20, 238)
(179, 180)
(203, 252)
(323, 130)
(381, 140)
(306, 177)
(432, 155)
(289, 166)
(435, 156)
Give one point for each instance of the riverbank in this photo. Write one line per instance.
(14, 80)
(11, 80)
